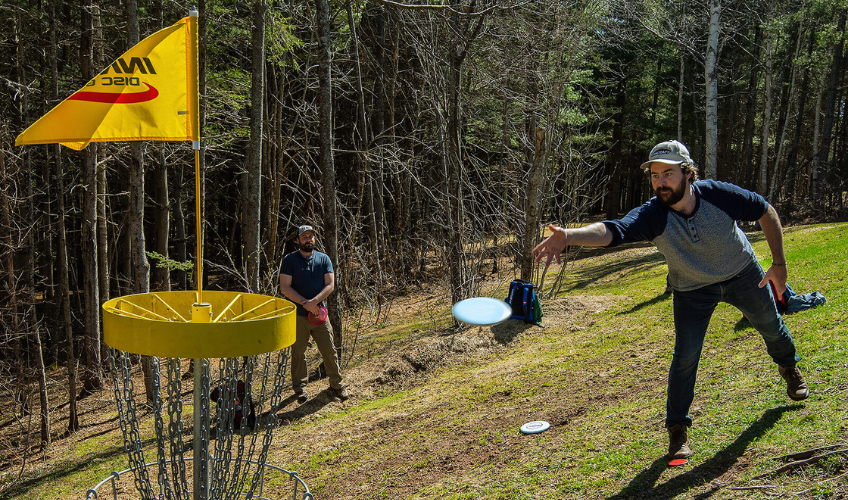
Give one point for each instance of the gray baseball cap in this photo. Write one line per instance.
(302, 229)
(671, 152)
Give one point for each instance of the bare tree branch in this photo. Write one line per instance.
(449, 9)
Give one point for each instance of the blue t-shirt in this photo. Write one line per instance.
(704, 248)
(307, 274)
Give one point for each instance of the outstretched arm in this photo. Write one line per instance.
(773, 231)
(593, 235)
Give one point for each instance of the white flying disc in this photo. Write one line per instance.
(535, 427)
(481, 311)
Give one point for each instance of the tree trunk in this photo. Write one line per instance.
(30, 326)
(162, 274)
(535, 161)
(711, 82)
(680, 98)
(362, 141)
(453, 189)
(251, 204)
(138, 245)
(823, 154)
(792, 172)
(817, 123)
(62, 257)
(613, 204)
(42, 390)
(762, 182)
(8, 247)
(135, 222)
(62, 269)
(92, 378)
(748, 136)
(791, 98)
(64, 294)
(329, 229)
(533, 196)
(179, 232)
(375, 170)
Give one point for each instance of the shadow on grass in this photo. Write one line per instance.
(641, 305)
(644, 485)
(595, 273)
(505, 332)
(68, 468)
(742, 325)
(314, 404)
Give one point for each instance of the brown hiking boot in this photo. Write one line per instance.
(302, 395)
(796, 387)
(678, 439)
(342, 394)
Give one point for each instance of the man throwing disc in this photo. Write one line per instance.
(710, 260)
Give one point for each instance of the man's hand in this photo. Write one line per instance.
(773, 231)
(777, 275)
(552, 247)
(311, 306)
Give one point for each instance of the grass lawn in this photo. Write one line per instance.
(436, 413)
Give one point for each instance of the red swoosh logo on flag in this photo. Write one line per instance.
(117, 97)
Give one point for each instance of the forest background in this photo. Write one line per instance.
(424, 142)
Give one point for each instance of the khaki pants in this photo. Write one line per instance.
(323, 336)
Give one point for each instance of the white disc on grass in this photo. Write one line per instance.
(535, 427)
(482, 311)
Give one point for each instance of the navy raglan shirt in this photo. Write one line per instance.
(307, 274)
(705, 248)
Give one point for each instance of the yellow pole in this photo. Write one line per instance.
(200, 312)
(194, 126)
(199, 228)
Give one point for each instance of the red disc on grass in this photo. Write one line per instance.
(678, 461)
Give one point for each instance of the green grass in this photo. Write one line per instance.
(598, 374)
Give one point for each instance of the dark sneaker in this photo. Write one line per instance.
(678, 442)
(796, 387)
(342, 394)
(302, 396)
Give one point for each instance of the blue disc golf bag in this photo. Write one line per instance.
(524, 302)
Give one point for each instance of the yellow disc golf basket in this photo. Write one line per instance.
(237, 345)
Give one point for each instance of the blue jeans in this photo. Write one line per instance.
(692, 313)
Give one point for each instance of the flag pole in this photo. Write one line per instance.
(194, 124)
(198, 222)
(200, 311)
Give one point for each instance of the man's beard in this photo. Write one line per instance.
(672, 195)
(307, 247)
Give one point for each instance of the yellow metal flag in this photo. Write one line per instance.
(149, 93)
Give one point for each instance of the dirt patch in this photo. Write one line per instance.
(425, 355)
(416, 359)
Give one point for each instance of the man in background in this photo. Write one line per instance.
(306, 278)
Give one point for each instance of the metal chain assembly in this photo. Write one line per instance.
(231, 439)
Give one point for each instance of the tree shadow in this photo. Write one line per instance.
(644, 485)
(598, 272)
(641, 305)
(64, 469)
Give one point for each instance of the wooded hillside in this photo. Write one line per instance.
(421, 139)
